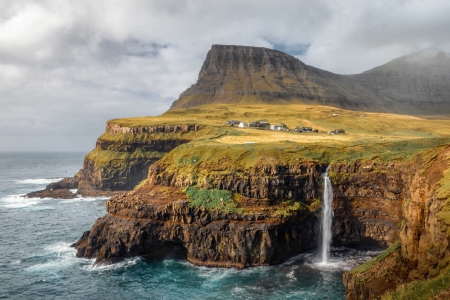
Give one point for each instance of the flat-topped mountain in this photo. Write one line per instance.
(416, 83)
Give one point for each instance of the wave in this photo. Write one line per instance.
(59, 256)
(38, 181)
(128, 262)
(84, 199)
(18, 201)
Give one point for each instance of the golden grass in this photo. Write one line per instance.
(361, 127)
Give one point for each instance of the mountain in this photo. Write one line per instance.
(416, 83)
(421, 79)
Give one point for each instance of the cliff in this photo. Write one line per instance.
(240, 74)
(423, 248)
(235, 197)
(251, 205)
(123, 154)
(415, 84)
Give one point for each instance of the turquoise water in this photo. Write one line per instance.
(36, 260)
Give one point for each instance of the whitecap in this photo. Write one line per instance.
(60, 256)
(60, 247)
(128, 262)
(84, 199)
(18, 201)
(38, 181)
(291, 276)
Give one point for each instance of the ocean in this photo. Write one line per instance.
(37, 262)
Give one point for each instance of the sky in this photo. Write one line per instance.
(66, 67)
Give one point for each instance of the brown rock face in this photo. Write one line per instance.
(243, 74)
(367, 210)
(213, 239)
(375, 203)
(59, 189)
(65, 183)
(125, 169)
(57, 194)
(413, 84)
(422, 235)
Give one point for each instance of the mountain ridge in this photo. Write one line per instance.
(242, 74)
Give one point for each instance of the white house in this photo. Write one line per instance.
(276, 127)
(243, 125)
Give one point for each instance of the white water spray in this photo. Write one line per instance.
(327, 217)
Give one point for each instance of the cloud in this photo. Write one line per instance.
(66, 67)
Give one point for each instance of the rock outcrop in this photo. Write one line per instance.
(62, 193)
(211, 238)
(424, 240)
(368, 198)
(58, 190)
(123, 155)
(379, 203)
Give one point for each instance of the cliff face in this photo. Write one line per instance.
(397, 204)
(424, 247)
(367, 209)
(213, 239)
(414, 84)
(123, 155)
(242, 74)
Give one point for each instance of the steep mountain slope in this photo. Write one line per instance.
(239, 74)
(418, 83)
(421, 79)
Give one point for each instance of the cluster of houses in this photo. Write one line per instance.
(281, 127)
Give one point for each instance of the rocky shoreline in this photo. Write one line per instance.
(369, 205)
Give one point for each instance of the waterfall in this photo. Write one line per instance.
(327, 217)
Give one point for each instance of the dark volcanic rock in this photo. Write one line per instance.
(66, 183)
(62, 193)
(211, 239)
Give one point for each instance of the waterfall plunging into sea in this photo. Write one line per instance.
(327, 217)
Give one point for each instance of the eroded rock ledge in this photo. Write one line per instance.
(383, 203)
(211, 238)
(136, 222)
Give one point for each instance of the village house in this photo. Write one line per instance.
(233, 123)
(303, 129)
(276, 127)
(337, 131)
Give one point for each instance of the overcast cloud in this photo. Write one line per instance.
(66, 67)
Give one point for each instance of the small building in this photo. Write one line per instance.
(243, 125)
(338, 131)
(233, 122)
(259, 125)
(276, 127)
